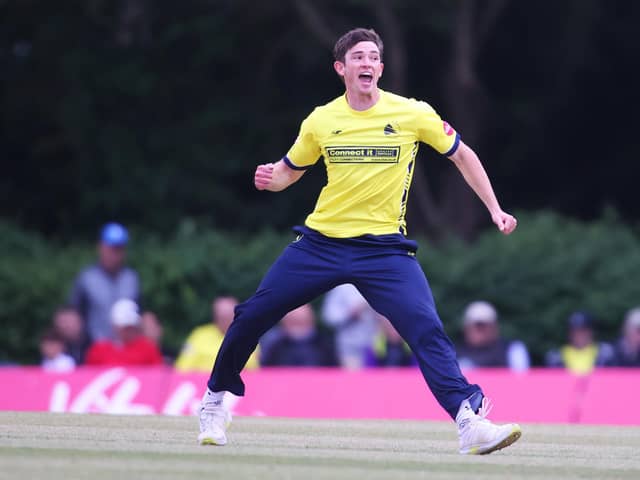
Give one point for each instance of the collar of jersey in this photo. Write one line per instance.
(367, 112)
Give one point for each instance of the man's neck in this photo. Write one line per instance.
(111, 271)
(361, 102)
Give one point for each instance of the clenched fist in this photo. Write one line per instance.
(263, 176)
(506, 223)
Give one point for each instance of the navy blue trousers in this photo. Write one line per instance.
(385, 271)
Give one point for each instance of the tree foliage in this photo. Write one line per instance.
(153, 111)
(535, 277)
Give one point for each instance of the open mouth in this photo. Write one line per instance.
(366, 78)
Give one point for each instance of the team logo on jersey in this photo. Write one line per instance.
(448, 129)
(389, 130)
(336, 132)
(360, 154)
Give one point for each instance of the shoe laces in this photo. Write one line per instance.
(214, 412)
(485, 407)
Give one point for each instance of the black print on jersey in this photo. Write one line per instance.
(389, 130)
(360, 154)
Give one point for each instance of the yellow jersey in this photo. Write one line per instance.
(580, 361)
(369, 156)
(200, 350)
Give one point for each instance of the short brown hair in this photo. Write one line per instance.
(352, 37)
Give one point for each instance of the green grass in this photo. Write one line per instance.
(64, 446)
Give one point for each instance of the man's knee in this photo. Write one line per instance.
(254, 317)
(420, 326)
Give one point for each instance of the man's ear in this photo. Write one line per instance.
(381, 68)
(339, 68)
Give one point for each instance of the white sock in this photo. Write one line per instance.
(215, 397)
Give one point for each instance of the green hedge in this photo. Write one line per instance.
(539, 275)
(536, 277)
(179, 276)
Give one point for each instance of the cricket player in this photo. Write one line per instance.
(356, 234)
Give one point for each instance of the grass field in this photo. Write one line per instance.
(64, 446)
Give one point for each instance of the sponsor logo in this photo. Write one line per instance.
(117, 391)
(389, 130)
(336, 132)
(359, 154)
(110, 392)
(448, 129)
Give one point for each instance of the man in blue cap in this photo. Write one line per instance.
(99, 286)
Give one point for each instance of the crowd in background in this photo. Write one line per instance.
(102, 325)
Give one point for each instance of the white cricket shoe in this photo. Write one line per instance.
(478, 436)
(214, 421)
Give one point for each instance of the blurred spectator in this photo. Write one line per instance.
(582, 354)
(482, 345)
(52, 351)
(99, 286)
(202, 345)
(300, 343)
(627, 349)
(267, 340)
(131, 347)
(354, 321)
(389, 349)
(68, 324)
(152, 329)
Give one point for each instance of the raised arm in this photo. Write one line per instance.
(275, 177)
(473, 172)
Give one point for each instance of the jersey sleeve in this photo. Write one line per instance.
(305, 151)
(433, 131)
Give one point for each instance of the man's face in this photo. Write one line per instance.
(111, 257)
(69, 325)
(481, 334)
(581, 337)
(127, 334)
(151, 327)
(51, 348)
(361, 69)
(223, 311)
(299, 323)
(632, 337)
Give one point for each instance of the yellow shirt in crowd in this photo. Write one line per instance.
(580, 361)
(200, 350)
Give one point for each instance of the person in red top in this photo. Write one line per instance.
(131, 347)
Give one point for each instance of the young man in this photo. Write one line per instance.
(356, 234)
